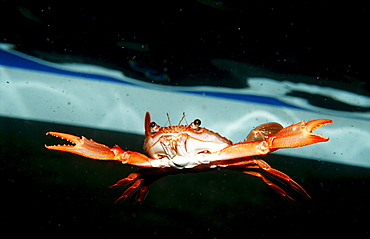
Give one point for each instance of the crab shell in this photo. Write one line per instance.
(181, 146)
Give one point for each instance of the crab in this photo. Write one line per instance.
(190, 148)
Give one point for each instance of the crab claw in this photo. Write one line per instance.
(83, 146)
(90, 149)
(298, 135)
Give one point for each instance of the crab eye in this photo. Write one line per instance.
(195, 125)
(152, 124)
(154, 127)
(197, 122)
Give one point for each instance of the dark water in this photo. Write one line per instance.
(53, 193)
(49, 193)
(318, 39)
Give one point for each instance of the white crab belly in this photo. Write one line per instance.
(181, 151)
(180, 162)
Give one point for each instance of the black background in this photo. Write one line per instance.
(48, 193)
(319, 39)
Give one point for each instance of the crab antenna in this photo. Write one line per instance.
(183, 118)
(169, 119)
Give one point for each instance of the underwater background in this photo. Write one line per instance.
(95, 69)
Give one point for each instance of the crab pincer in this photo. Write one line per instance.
(298, 135)
(82, 146)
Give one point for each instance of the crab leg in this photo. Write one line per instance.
(267, 168)
(140, 182)
(296, 135)
(250, 166)
(91, 149)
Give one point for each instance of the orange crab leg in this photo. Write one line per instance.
(267, 168)
(250, 167)
(242, 150)
(295, 135)
(140, 182)
(91, 149)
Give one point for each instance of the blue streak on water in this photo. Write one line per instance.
(13, 60)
